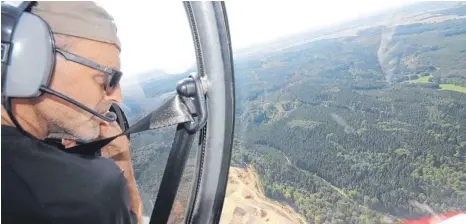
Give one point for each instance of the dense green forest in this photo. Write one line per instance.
(351, 129)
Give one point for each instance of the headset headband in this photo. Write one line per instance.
(10, 16)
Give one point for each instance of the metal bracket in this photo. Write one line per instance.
(192, 88)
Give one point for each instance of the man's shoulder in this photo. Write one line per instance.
(30, 154)
(60, 181)
(33, 158)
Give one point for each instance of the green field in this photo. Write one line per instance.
(453, 88)
(423, 79)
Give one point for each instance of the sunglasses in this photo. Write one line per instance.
(112, 76)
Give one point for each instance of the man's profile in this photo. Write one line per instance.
(41, 183)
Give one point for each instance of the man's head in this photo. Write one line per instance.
(81, 83)
(86, 30)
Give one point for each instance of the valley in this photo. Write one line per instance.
(354, 127)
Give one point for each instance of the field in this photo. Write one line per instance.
(453, 88)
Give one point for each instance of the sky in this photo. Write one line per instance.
(156, 34)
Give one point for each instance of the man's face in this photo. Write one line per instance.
(83, 84)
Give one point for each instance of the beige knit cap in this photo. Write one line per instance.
(81, 19)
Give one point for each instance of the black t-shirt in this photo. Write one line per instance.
(43, 184)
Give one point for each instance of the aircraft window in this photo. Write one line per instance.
(339, 118)
(361, 120)
(182, 199)
(150, 152)
(157, 52)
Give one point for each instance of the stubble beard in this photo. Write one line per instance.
(86, 129)
(76, 124)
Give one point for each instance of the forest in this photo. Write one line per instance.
(366, 128)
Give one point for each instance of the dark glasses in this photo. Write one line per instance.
(112, 77)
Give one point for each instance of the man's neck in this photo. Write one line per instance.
(27, 117)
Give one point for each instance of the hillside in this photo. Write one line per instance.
(356, 124)
(344, 109)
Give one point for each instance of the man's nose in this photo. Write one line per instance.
(114, 96)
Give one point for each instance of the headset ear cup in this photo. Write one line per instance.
(32, 58)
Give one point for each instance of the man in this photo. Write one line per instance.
(42, 184)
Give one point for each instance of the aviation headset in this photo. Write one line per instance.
(28, 59)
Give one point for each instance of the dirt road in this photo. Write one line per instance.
(245, 203)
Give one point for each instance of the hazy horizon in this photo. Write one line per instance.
(252, 24)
